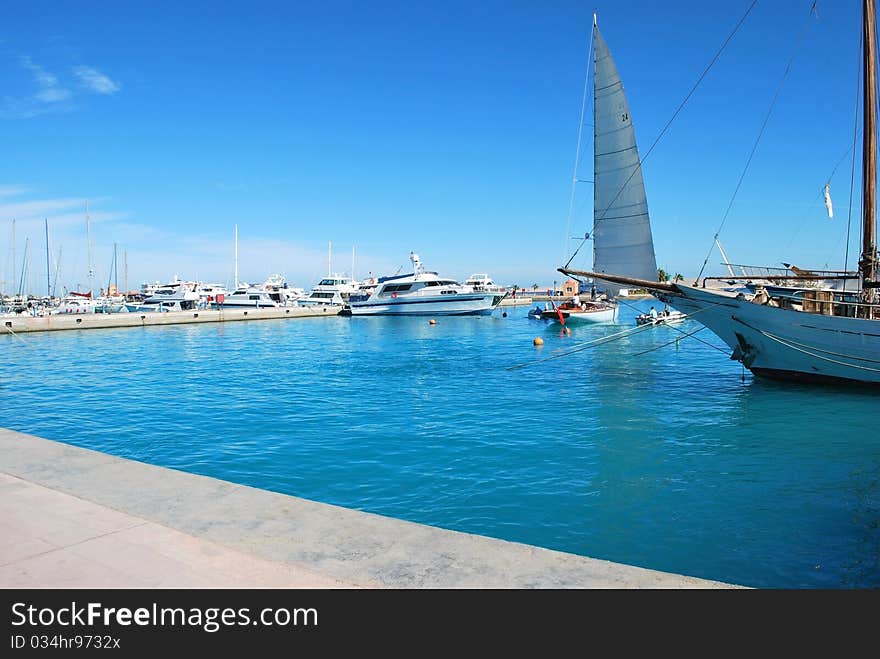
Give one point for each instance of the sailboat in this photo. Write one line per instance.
(621, 235)
(826, 336)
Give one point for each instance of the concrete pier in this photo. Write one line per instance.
(22, 324)
(71, 517)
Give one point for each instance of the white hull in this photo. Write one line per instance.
(674, 318)
(423, 305)
(783, 343)
(574, 317)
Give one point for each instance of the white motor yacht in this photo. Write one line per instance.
(334, 290)
(247, 296)
(483, 282)
(422, 293)
(176, 296)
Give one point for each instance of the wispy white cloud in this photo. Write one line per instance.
(95, 81)
(51, 94)
(49, 90)
(12, 190)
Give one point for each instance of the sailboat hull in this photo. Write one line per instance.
(605, 314)
(783, 343)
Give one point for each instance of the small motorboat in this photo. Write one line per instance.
(665, 317)
(536, 313)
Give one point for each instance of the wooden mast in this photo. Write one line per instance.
(868, 260)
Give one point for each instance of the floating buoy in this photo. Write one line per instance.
(504, 314)
(432, 321)
(538, 341)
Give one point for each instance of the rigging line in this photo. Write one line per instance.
(794, 346)
(635, 308)
(588, 344)
(721, 350)
(577, 153)
(638, 166)
(602, 340)
(757, 141)
(669, 343)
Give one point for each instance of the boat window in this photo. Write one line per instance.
(253, 297)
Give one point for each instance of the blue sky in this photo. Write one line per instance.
(384, 127)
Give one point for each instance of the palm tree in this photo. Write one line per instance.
(678, 277)
(661, 274)
(534, 288)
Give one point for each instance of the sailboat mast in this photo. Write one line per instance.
(329, 258)
(868, 260)
(23, 268)
(236, 257)
(125, 260)
(48, 275)
(89, 246)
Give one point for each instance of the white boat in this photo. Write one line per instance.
(480, 281)
(110, 304)
(254, 297)
(176, 296)
(282, 292)
(621, 231)
(826, 335)
(581, 313)
(208, 293)
(333, 290)
(424, 293)
(666, 317)
(74, 303)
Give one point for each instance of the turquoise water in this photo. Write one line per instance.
(667, 459)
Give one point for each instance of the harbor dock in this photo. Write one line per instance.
(73, 518)
(23, 324)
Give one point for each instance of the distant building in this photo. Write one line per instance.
(571, 287)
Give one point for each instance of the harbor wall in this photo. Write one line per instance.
(48, 543)
(23, 324)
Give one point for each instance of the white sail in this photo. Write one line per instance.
(622, 241)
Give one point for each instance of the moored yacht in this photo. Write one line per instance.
(332, 290)
(176, 296)
(423, 292)
(247, 296)
(483, 282)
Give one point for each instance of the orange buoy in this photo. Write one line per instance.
(538, 341)
(432, 322)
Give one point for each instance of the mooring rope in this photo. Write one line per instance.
(611, 337)
(9, 329)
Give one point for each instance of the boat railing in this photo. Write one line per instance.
(780, 279)
(823, 302)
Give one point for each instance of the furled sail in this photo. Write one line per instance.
(622, 241)
(828, 205)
